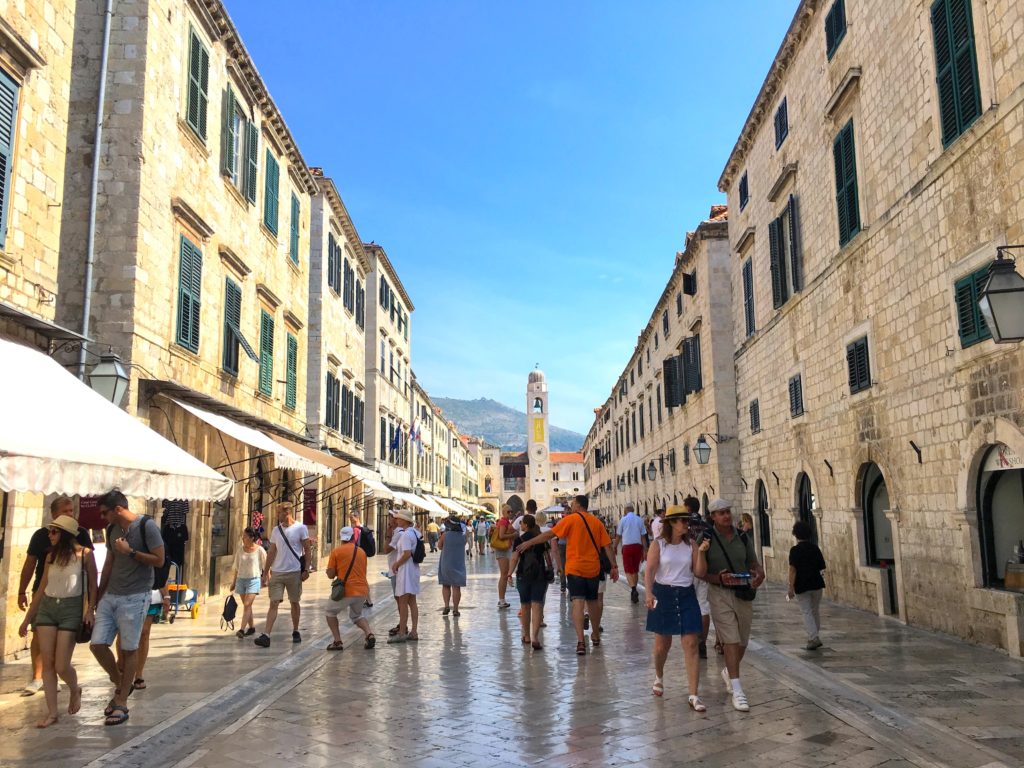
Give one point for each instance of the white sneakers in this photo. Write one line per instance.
(33, 687)
(739, 698)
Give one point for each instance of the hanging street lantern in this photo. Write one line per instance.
(702, 450)
(1001, 300)
(109, 378)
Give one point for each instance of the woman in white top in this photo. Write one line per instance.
(672, 607)
(250, 561)
(57, 612)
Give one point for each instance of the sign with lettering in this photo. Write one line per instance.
(1002, 458)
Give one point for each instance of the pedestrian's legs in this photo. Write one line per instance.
(524, 621)
(47, 654)
(247, 620)
(62, 666)
(446, 594)
(456, 597)
(143, 648)
(106, 659)
(332, 624)
(810, 627)
(537, 609)
(295, 615)
(403, 614)
(37, 659)
(130, 660)
(595, 608)
(578, 607)
(414, 615)
(692, 657)
(561, 565)
(816, 611)
(271, 616)
(363, 624)
(503, 563)
(662, 643)
(733, 656)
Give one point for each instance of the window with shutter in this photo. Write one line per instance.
(190, 278)
(748, 296)
(266, 383)
(971, 323)
(777, 260)
(331, 258)
(744, 191)
(8, 128)
(198, 94)
(383, 438)
(232, 322)
(693, 381)
(291, 387)
(956, 66)
(690, 283)
(664, 322)
(781, 123)
(229, 144)
(679, 303)
(672, 375)
(271, 190)
(796, 396)
(331, 406)
(293, 241)
(755, 417)
(835, 27)
(657, 392)
(857, 365)
(252, 144)
(345, 412)
(796, 265)
(360, 305)
(642, 425)
(847, 206)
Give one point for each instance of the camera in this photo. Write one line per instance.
(702, 536)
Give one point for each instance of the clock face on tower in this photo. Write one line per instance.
(539, 452)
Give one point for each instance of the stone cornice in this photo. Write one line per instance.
(788, 170)
(330, 191)
(268, 296)
(234, 262)
(850, 79)
(747, 236)
(186, 213)
(293, 320)
(19, 48)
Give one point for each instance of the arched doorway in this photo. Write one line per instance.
(878, 546)
(516, 504)
(1000, 511)
(764, 523)
(805, 504)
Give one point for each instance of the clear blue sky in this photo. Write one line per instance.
(530, 167)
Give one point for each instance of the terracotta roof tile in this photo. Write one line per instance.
(566, 457)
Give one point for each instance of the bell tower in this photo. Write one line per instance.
(538, 486)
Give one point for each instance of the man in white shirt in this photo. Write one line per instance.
(285, 570)
(631, 535)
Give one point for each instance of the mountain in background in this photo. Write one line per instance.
(500, 425)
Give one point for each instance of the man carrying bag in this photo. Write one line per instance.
(350, 590)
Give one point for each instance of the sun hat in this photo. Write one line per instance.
(675, 511)
(402, 514)
(718, 505)
(65, 523)
(347, 533)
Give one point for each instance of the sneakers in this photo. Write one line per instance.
(702, 649)
(250, 631)
(503, 605)
(33, 687)
(586, 622)
(725, 678)
(296, 637)
(813, 645)
(634, 596)
(739, 701)
(262, 641)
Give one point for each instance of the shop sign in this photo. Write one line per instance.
(309, 499)
(1002, 458)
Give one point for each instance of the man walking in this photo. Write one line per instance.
(406, 572)
(730, 552)
(135, 549)
(696, 525)
(481, 534)
(631, 535)
(347, 562)
(285, 570)
(585, 536)
(433, 530)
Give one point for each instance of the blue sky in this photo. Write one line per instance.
(530, 167)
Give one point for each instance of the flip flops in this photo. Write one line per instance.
(336, 646)
(371, 641)
(118, 715)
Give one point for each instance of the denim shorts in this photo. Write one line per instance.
(120, 615)
(248, 586)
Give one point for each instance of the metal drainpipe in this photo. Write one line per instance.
(90, 247)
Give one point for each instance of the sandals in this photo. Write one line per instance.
(394, 630)
(446, 611)
(595, 639)
(336, 646)
(139, 684)
(455, 612)
(525, 639)
(581, 649)
(696, 704)
(371, 641)
(118, 715)
(413, 637)
(537, 646)
(658, 689)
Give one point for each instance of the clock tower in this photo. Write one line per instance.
(538, 486)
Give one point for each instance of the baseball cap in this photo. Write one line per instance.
(347, 533)
(718, 505)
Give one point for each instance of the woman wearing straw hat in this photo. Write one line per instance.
(672, 607)
(57, 611)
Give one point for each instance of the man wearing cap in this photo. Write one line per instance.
(730, 552)
(696, 525)
(631, 534)
(347, 562)
(406, 573)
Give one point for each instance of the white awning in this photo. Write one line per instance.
(59, 436)
(371, 480)
(453, 505)
(284, 458)
(422, 502)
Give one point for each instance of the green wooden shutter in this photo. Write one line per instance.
(956, 67)
(293, 245)
(8, 128)
(796, 265)
(198, 85)
(291, 375)
(190, 275)
(970, 322)
(848, 209)
(252, 143)
(232, 324)
(748, 296)
(778, 268)
(227, 134)
(270, 192)
(835, 27)
(693, 381)
(266, 353)
(796, 396)
(196, 287)
(857, 365)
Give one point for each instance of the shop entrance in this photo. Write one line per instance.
(878, 538)
(1001, 517)
(805, 504)
(764, 523)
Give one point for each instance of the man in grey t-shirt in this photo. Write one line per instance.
(135, 548)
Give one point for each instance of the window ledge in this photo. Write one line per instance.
(295, 268)
(193, 137)
(849, 81)
(788, 172)
(268, 232)
(186, 354)
(234, 191)
(744, 240)
(263, 397)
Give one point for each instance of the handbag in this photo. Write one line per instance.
(300, 558)
(745, 592)
(338, 585)
(498, 543)
(84, 630)
(606, 564)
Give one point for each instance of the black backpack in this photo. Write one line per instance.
(227, 619)
(533, 565)
(367, 541)
(420, 553)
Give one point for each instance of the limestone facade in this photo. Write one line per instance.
(902, 197)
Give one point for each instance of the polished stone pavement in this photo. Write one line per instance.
(468, 694)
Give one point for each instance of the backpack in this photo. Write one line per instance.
(227, 618)
(145, 541)
(367, 541)
(420, 553)
(533, 564)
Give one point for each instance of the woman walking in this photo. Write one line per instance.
(250, 561)
(531, 568)
(57, 612)
(672, 607)
(451, 567)
(501, 542)
(806, 582)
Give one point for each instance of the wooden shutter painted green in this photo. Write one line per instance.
(271, 190)
(692, 378)
(755, 417)
(970, 322)
(748, 296)
(228, 146)
(780, 291)
(190, 279)
(291, 386)
(744, 191)
(252, 143)
(232, 323)
(266, 384)
(198, 85)
(796, 265)
(293, 244)
(857, 365)
(835, 27)
(956, 67)
(8, 128)
(796, 396)
(781, 123)
(674, 396)
(847, 206)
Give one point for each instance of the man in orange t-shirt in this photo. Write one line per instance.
(347, 562)
(584, 535)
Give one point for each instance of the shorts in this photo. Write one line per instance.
(481, 539)
(581, 587)
(248, 586)
(702, 596)
(632, 554)
(502, 554)
(154, 609)
(279, 582)
(731, 615)
(64, 613)
(532, 591)
(120, 615)
(354, 603)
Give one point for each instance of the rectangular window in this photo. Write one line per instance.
(956, 65)
(293, 240)
(970, 322)
(346, 411)
(847, 206)
(675, 394)
(858, 366)
(690, 283)
(796, 396)
(252, 145)
(664, 322)
(8, 128)
(331, 415)
(744, 191)
(198, 95)
(657, 393)
(755, 417)
(271, 189)
(266, 384)
(332, 262)
(357, 431)
(748, 295)
(692, 378)
(347, 292)
(291, 386)
(781, 123)
(190, 282)
(835, 27)
(360, 305)
(233, 337)
(383, 438)
(239, 140)
(642, 425)
(679, 304)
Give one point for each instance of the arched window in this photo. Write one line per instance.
(538, 405)
(805, 504)
(764, 523)
(1000, 512)
(877, 527)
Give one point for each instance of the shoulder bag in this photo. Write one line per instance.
(84, 630)
(745, 592)
(338, 585)
(300, 558)
(498, 543)
(602, 556)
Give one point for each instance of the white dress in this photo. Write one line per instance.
(407, 581)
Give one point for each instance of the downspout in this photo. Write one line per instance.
(90, 247)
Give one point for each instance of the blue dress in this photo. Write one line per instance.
(451, 568)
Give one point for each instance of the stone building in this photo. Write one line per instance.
(676, 392)
(879, 170)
